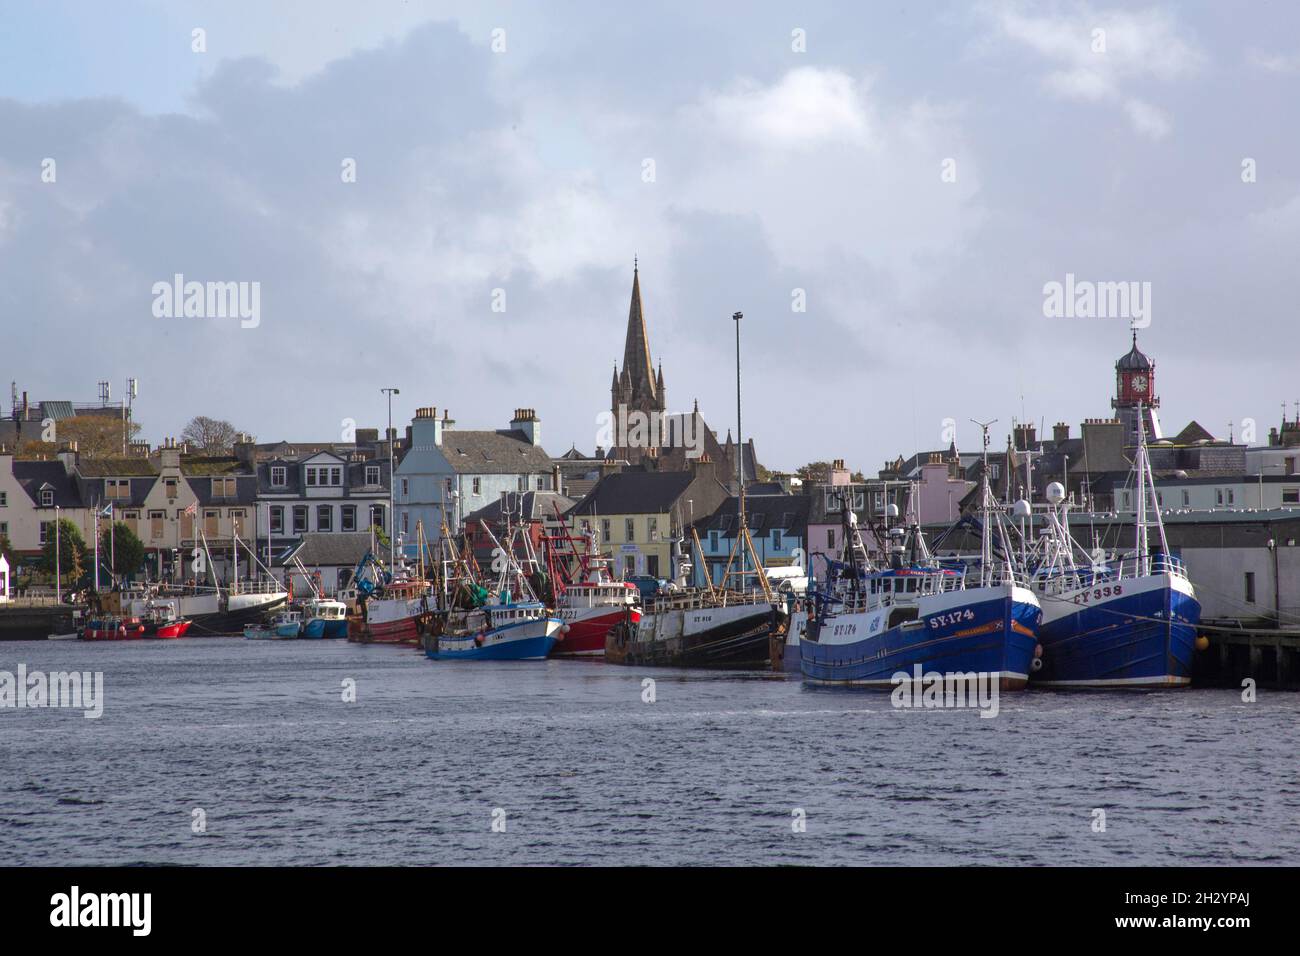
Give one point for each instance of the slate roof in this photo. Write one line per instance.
(537, 505)
(507, 451)
(326, 549)
(635, 492)
(115, 467)
(35, 475)
(762, 514)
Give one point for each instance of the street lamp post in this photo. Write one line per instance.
(392, 519)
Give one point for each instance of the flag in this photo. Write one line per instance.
(192, 509)
(108, 511)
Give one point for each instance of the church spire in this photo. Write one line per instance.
(637, 365)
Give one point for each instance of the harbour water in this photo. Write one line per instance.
(582, 770)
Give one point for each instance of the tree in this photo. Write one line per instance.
(210, 435)
(97, 436)
(814, 471)
(71, 552)
(7, 549)
(122, 549)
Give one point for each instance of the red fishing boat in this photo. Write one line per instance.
(162, 621)
(110, 628)
(587, 598)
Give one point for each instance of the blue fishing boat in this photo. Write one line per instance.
(868, 624)
(285, 626)
(505, 631)
(325, 619)
(1129, 621)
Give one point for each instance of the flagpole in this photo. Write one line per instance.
(112, 543)
(96, 549)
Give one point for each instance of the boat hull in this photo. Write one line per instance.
(171, 630)
(321, 629)
(990, 631)
(525, 641)
(731, 638)
(1143, 636)
(584, 635)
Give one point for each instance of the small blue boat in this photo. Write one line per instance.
(285, 626)
(324, 619)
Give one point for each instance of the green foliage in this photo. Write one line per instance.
(124, 547)
(71, 551)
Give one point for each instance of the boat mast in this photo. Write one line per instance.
(986, 514)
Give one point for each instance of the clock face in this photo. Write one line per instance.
(1139, 383)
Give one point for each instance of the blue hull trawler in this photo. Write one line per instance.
(1125, 623)
(867, 624)
(514, 627)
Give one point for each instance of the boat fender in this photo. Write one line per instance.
(1202, 642)
(1036, 664)
(1038, 650)
(564, 629)
(478, 640)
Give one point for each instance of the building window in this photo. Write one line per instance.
(117, 488)
(478, 486)
(277, 520)
(406, 487)
(324, 518)
(629, 529)
(156, 524)
(4, 499)
(336, 476)
(1291, 496)
(830, 537)
(541, 484)
(1187, 498)
(45, 532)
(372, 474)
(1218, 496)
(211, 522)
(713, 541)
(605, 530)
(523, 483)
(237, 521)
(4, 527)
(311, 477)
(348, 518)
(652, 565)
(1232, 496)
(170, 485)
(377, 515)
(47, 499)
(299, 519)
(776, 538)
(447, 484)
(629, 565)
(652, 528)
(1250, 587)
(406, 522)
(279, 476)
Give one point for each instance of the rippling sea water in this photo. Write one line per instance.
(258, 736)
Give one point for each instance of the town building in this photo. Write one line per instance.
(778, 527)
(450, 472)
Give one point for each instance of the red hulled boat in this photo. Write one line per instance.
(109, 628)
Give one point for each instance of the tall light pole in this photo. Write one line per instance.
(740, 447)
(392, 519)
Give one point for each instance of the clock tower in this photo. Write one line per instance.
(1135, 385)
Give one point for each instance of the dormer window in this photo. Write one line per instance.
(279, 476)
(372, 474)
(47, 498)
(117, 488)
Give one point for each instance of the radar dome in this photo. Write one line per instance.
(1055, 493)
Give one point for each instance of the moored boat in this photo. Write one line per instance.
(697, 628)
(590, 607)
(868, 625)
(161, 621)
(1125, 623)
(283, 626)
(108, 627)
(505, 631)
(325, 619)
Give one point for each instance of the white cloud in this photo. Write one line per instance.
(1275, 62)
(1098, 56)
(806, 108)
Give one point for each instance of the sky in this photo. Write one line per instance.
(448, 198)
